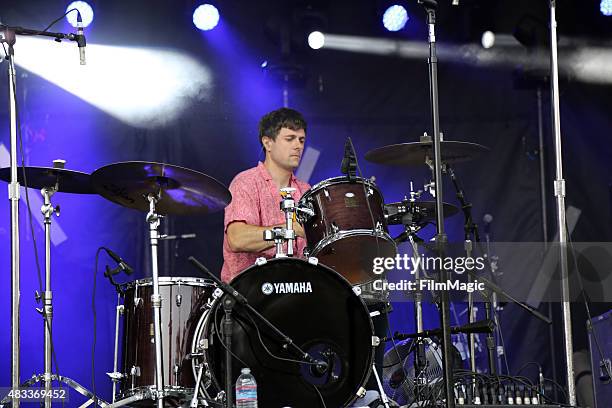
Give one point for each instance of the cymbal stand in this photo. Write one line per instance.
(48, 210)
(154, 219)
(420, 363)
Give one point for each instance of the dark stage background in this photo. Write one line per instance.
(376, 100)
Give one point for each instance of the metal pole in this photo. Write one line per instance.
(156, 301)
(561, 216)
(14, 199)
(441, 239)
(48, 210)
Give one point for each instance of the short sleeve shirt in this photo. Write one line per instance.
(255, 201)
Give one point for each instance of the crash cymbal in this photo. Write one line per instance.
(415, 213)
(182, 191)
(415, 153)
(68, 181)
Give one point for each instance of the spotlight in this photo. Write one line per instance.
(206, 17)
(316, 40)
(488, 39)
(606, 7)
(395, 18)
(84, 8)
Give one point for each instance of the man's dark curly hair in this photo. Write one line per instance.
(272, 122)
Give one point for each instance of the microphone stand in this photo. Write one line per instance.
(561, 216)
(441, 238)
(471, 230)
(232, 297)
(13, 195)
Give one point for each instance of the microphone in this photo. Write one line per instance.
(349, 164)
(80, 38)
(120, 262)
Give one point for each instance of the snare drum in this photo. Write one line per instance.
(313, 305)
(182, 301)
(343, 233)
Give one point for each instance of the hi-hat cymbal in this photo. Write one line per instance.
(67, 181)
(415, 213)
(181, 191)
(416, 153)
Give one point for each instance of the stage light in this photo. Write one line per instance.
(144, 87)
(206, 17)
(316, 40)
(488, 39)
(395, 18)
(606, 7)
(87, 14)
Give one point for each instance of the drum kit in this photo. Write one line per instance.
(174, 347)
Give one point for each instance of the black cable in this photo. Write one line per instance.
(93, 344)
(586, 302)
(218, 332)
(290, 360)
(527, 365)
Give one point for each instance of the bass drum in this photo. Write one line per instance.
(313, 305)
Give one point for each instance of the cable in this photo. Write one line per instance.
(93, 344)
(218, 332)
(586, 303)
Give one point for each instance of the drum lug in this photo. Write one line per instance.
(375, 341)
(357, 290)
(326, 194)
(361, 392)
(217, 294)
(335, 228)
(179, 300)
(260, 261)
(370, 191)
(313, 260)
(379, 227)
(306, 252)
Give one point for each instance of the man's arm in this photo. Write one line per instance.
(243, 237)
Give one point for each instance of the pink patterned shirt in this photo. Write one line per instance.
(256, 201)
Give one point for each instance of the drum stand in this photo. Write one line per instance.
(46, 311)
(153, 219)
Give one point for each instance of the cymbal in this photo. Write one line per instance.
(182, 191)
(415, 153)
(68, 181)
(417, 212)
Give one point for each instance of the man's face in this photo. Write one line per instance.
(286, 150)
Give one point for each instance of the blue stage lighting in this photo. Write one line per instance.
(206, 17)
(606, 7)
(87, 14)
(395, 18)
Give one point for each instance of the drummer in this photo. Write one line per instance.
(256, 193)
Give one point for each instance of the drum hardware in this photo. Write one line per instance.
(51, 180)
(308, 356)
(167, 189)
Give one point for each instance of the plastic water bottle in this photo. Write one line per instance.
(246, 390)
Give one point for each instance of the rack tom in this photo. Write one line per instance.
(349, 228)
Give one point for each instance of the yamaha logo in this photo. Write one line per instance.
(286, 287)
(267, 288)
